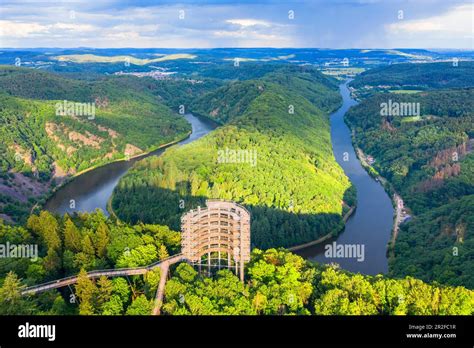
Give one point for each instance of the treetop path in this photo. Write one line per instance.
(117, 272)
(223, 228)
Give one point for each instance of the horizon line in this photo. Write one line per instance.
(243, 48)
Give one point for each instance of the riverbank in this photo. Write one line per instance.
(215, 122)
(123, 159)
(325, 237)
(71, 178)
(92, 189)
(110, 210)
(396, 200)
(396, 223)
(395, 197)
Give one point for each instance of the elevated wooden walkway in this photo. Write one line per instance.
(118, 272)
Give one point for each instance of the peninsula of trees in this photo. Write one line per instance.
(295, 191)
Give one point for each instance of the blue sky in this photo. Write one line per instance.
(260, 23)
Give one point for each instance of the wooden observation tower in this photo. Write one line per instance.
(217, 236)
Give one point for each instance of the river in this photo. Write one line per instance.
(93, 189)
(369, 226)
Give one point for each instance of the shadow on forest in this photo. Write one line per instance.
(270, 227)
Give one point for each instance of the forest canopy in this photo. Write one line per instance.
(428, 160)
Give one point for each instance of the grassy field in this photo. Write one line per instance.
(342, 72)
(405, 91)
(411, 119)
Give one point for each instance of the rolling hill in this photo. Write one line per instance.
(428, 160)
(419, 76)
(286, 173)
(54, 127)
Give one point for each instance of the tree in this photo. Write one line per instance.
(140, 256)
(46, 226)
(35, 272)
(113, 307)
(104, 291)
(59, 306)
(281, 282)
(102, 239)
(81, 260)
(152, 279)
(52, 261)
(85, 291)
(88, 246)
(140, 306)
(259, 302)
(194, 183)
(186, 273)
(119, 297)
(11, 300)
(333, 302)
(72, 236)
(162, 252)
(121, 289)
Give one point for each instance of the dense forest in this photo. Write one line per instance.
(281, 283)
(438, 245)
(76, 244)
(239, 95)
(428, 160)
(277, 282)
(419, 76)
(42, 147)
(289, 178)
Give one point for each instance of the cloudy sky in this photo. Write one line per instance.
(258, 23)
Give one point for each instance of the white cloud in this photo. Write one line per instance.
(322, 23)
(452, 29)
(73, 26)
(20, 30)
(245, 34)
(249, 32)
(249, 22)
(458, 20)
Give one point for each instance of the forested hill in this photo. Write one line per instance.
(41, 147)
(419, 76)
(231, 100)
(273, 155)
(428, 160)
(37, 84)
